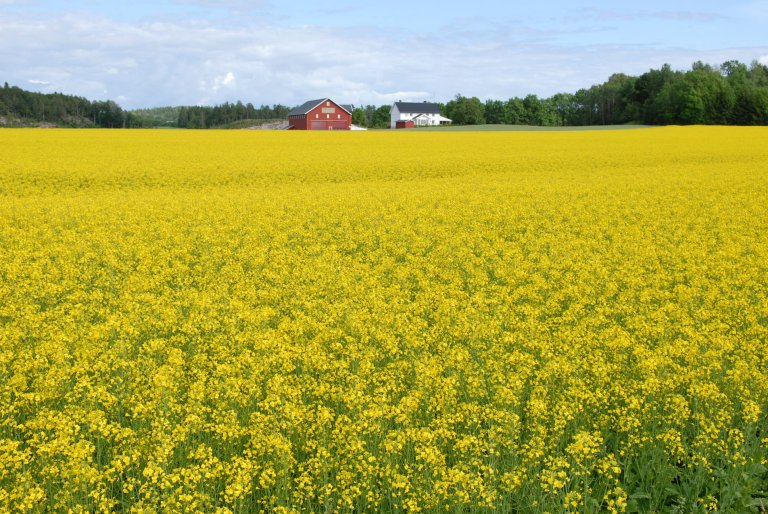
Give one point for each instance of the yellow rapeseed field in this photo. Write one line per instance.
(245, 321)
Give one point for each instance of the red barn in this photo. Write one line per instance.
(323, 114)
(404, 124)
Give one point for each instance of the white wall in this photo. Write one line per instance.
(428, 119)
(394, 115)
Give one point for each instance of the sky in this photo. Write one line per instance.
(152, 53)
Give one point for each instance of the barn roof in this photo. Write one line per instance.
(308, 106)
(418, 107)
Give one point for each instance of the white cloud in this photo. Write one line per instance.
(194, 62)
(223, 81)
(228, 79)
(763, 60)
(39, 82)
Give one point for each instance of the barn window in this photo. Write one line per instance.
(327, 116)
(339, 115)
(327, 104)
(317, 115)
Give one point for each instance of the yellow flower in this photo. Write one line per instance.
(232, 321)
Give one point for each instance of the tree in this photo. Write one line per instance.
(758, 74)
(359, 118)
(514, 112)
(614, 99)
(532, 106)
(701, 96)
(564, 107)
(494, 111)
(465, 111)
(548, 115)
(381, 117)
(749, 107)
(107, 114)
(734, 70)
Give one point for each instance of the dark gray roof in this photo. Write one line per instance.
(347, 107)
(418, 107)
(308, 106)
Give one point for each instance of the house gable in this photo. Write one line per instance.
(307, 107)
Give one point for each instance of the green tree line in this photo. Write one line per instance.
(21, 107)
(228, 113)
(730, 94)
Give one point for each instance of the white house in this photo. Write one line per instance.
(420, 113)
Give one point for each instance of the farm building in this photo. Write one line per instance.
(422, 114)
(322, 114)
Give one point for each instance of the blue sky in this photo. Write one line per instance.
(169, 52)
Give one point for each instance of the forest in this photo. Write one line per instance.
(732, 93)
(228, 114)
(25, 108)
